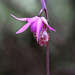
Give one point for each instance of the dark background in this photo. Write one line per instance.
(21, 55)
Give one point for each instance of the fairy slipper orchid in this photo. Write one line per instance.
(36, 24)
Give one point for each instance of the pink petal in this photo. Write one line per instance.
(33, 27)
(32, 19)
(39, 26)
(45, 21)
(23, 28)
(21, 19)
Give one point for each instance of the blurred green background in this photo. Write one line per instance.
(21, 55)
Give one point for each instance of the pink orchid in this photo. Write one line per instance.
(36, 23)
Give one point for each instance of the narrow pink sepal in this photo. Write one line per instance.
(39, 26)
(45, 21)
(21, 19)
(23, 28)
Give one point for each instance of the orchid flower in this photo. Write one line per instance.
(36, 23)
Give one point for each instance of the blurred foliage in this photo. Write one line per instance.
(21, 55)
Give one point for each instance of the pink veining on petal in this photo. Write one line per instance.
(21, 19)
(45, 21)
(23, 28)
(39, 26)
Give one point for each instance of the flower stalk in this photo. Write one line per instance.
(47, 51)
(40, 28)
(44, 7)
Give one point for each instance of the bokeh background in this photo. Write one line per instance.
(21, 55)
